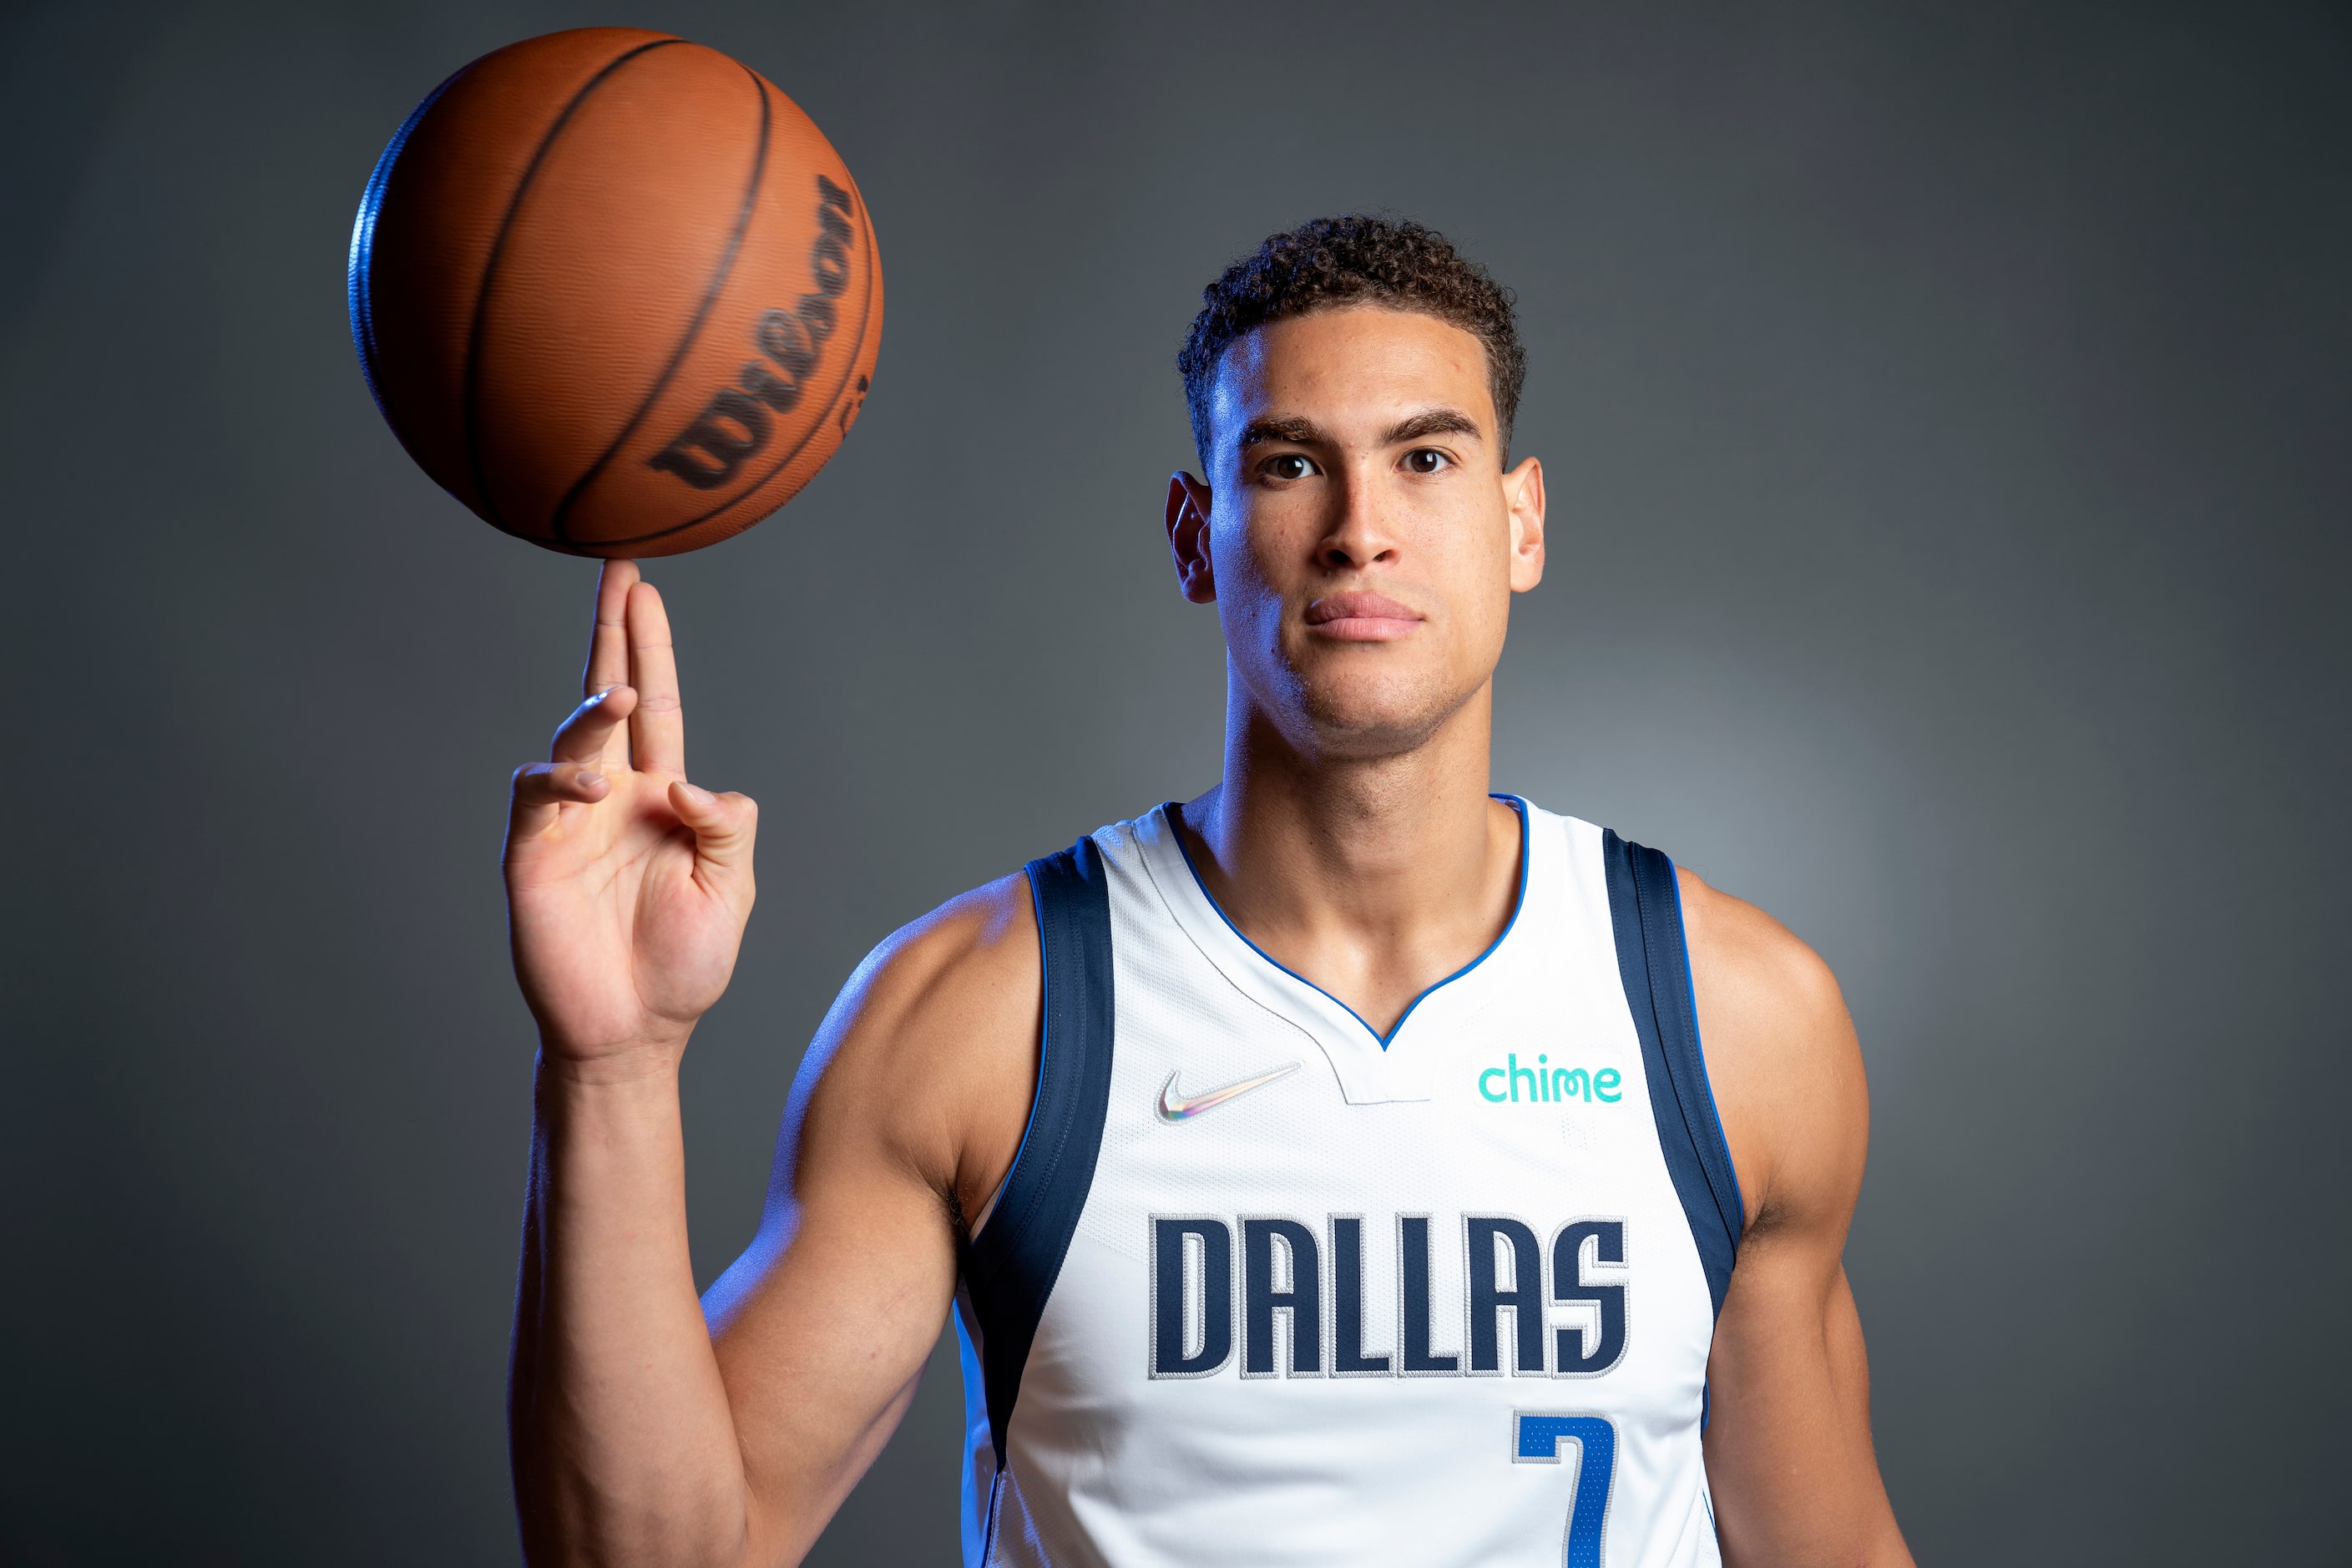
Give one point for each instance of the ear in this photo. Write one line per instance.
(1188, 504)
(1523, 493)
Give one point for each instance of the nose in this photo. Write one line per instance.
(1360, 534)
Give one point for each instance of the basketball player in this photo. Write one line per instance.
(1346, 1166)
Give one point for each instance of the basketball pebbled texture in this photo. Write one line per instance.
(616, 292)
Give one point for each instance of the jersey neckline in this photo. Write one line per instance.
(1172, 814)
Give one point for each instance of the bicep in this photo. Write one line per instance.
(1788, 1444)
(823, 1327)
(912, 1096)
(1849, 1359)
(1789, 1453)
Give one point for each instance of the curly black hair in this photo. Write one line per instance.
(1357, 259)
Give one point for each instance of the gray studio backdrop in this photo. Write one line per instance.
(1945, 420)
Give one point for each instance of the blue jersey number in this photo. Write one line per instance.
(1536, 1437)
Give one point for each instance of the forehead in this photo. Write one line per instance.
(1359, 366)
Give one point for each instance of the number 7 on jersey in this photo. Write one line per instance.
(1536, 1439)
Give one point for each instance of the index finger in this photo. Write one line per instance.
(608, 641)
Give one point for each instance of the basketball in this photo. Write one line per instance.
(616, 292)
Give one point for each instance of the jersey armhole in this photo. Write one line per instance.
(1015, 1255)
(1645, 911)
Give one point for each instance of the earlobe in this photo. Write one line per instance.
(1189, 505)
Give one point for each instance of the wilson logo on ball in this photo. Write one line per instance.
(734, 427)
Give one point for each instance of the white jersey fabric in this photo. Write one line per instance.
(1263, 1288)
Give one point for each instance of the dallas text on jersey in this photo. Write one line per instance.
(1290, 1309)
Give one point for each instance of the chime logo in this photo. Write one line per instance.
(1543, 1083)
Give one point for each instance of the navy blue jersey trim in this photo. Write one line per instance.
(1645, 908)
(1172, 811)
(1011, 1266)
(1727, 1171)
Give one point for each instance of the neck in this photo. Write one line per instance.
(1373, 876)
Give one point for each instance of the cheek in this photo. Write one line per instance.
(1249, 554)
(1474, 564)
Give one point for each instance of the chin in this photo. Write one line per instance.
(1352, 716)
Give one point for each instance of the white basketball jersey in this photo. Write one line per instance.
(1264, 1286)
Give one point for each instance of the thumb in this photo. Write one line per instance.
(724, 826)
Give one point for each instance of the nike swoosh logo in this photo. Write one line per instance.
(1175, 1107)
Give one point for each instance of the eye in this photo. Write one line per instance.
(1426, 460)
(1289, 465)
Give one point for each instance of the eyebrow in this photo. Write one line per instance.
(1300, 432)
(1291, 428)
(1433, 422)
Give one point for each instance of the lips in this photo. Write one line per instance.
(1362, 617)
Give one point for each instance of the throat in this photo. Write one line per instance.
(1374, 931)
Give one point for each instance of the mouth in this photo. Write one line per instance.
(1362, 617)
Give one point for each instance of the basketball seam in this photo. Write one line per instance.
(849, 368)
(558, 522)
(490, 269)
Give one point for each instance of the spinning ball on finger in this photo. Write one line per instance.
(616, 292)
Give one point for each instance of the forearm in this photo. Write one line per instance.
(623, 1447)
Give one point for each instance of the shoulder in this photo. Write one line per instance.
(1756, 963)
(960, 955)
(1781, 1058)
(932, 1048)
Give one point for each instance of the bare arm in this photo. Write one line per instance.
(1788, 1454)
(908, 1113)
(634, 1437)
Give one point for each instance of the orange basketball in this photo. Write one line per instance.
(616, 292)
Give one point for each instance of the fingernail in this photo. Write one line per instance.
(696, 793)
(588, 778)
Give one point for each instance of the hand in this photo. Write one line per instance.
(627, 887)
